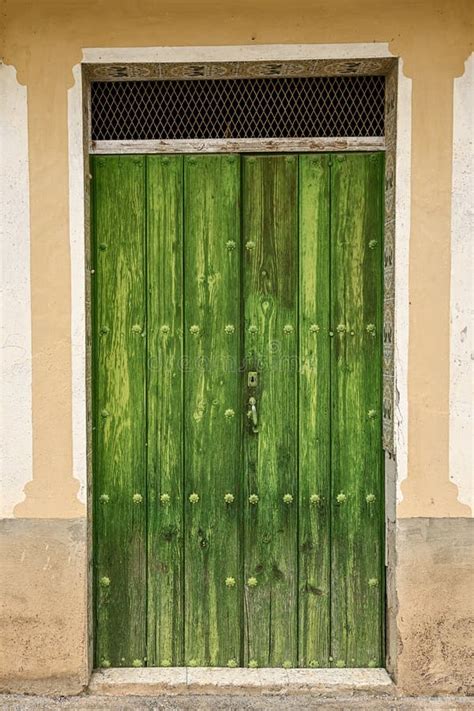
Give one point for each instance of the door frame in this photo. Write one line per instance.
(349, 59)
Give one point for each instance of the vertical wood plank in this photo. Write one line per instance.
(119, 417)
(165, 410)
(357, 474)
(314, 424)
(213, 411)
(270, 235)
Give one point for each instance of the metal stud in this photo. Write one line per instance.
(230, 582)
(331, 333)
(230, 244)
(194, 329)
(314, 499)
(341, 328)
(229, 498)
(253, 499)
(229, 329)
(249, 245)
(136, 328)
(193, 498)
(165, 499)
(253, 664)
(253, 330)
(104, 498)
(373, 582)
(104, 582)
(341, 498)
(252, 582)
(232, 663)
(137, 498)
(314, 328)
(165, 329)
(229, 413)
(288, 499)
(370, 498)
(287, 329)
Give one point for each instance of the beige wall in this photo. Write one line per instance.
(44, 40)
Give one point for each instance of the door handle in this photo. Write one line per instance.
(252, 413)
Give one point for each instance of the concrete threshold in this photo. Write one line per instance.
(155, 681)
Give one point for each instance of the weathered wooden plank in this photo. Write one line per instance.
(213, 412)
(314, 424)
(241, 145)
(165, 413)
(270, 235)
(357, 474)
(119, 417)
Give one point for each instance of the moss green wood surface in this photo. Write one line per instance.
(119, 417)
(212, 410)
(314, 424)
(270, 224)
(165, 412)
(357, 489)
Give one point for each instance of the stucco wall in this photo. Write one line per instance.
(43, 474)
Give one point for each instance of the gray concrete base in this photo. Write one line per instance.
(205, 680)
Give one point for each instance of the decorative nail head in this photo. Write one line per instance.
(230, 244)
(341, 328)
(253, 664)
(137, 663)
(230, 582)
(104, 582)
(373, 582)
(252, 582)
(249, 245)
(341, 498)
(229, 498)
(229, 413)
(136, 328)
(315, 499)
(314, 328)
(252, 329)
(229, 329)
(104, 498)
(194, 329)
(165, 499)
(253, 499)
(288, 499)
(137, 498)
(288, 329)
(165, 329)
(370, 498)
(193, 498)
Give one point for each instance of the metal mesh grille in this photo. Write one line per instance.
(281, 107)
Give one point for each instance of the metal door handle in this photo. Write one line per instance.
(253, 412)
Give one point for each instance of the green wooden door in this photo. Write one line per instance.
(238, 471)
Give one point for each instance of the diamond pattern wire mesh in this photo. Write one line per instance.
(277, 107)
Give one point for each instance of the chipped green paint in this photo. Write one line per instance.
(216, 542)
(356, 392)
